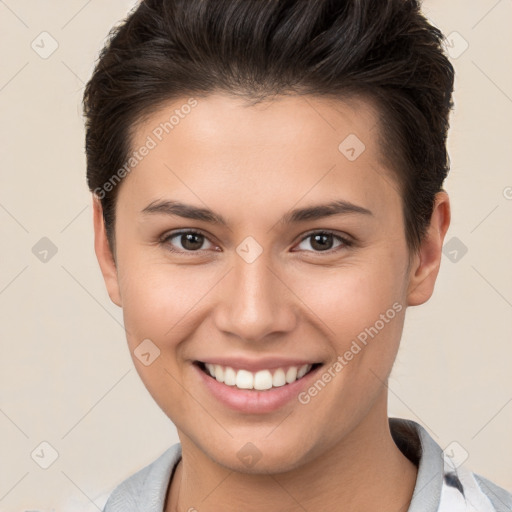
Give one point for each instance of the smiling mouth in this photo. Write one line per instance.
(261, 380)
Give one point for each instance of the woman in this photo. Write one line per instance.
(267, 180)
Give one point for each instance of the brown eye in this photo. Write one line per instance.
(323, 241)
(186, 241)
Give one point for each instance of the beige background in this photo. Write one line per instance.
(65, 372)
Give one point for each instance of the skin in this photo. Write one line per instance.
(252, 165)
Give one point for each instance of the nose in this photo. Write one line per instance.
(254, 302)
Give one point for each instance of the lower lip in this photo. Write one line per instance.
(251, 401)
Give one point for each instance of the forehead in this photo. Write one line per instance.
(296, 148)
(281, 121)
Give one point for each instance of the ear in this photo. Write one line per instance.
(426, 262)
(104, 254)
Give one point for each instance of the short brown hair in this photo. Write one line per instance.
(384, 50)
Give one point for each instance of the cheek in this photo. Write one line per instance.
(360, 308)
(160, 304)
(350, 298)
(159, 299)
(361, 312)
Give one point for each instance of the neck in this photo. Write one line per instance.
(365, 470)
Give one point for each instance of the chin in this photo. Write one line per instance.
(260, 456)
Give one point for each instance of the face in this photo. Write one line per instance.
(230, 267)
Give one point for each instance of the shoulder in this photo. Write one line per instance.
(500, 498)
(465, 490)
(146, 489)
(443, 483)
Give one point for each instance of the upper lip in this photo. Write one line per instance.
(254, 365)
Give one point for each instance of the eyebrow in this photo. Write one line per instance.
(188, 211)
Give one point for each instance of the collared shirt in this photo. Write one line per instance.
(442, 483)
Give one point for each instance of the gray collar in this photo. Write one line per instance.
(417, 444)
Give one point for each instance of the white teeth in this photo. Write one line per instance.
(260, 380)
(303, 370)
(244, 380)
(279, 378)
(218, 372)
(229, 376)
(291, 374)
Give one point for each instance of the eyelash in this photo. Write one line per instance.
(344, 241)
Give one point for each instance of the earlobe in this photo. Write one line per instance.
(104, 254)
(427, 262)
